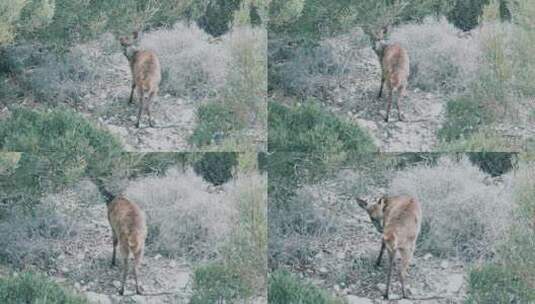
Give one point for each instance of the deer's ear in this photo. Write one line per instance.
(382, 202)
(362, 203)
(135, 34)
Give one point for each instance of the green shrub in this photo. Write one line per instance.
(310, 128)
(30, 287)
(215, 282)
(61, 147)
(497, 284)
(481, 141)
(464, 116)
(493, 163)
(216, 168)
(284, 288)
(215, 121)
(46, 76)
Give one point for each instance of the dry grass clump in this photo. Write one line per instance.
(440, 59)
(463, 213)
(193, 64)
(185, 218)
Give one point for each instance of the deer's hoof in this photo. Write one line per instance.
(137, 125)
(121, 291)
(385, 296)
(386, 119)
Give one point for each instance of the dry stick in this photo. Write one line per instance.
(151, 294)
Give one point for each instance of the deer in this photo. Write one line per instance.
(146, 73)
(398, 218)
(395, 68)
(129, 231)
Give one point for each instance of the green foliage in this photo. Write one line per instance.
(497, 284)
(216, 282)
(216, 168)
(9, 13)
(62, 147)
(217, 16)
(214, 122)
(493, 163)
(284, 288)
(309, 128)
(30, 287)
(464, 116)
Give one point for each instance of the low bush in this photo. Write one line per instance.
(215, 283)
(215, 122)
(30, 237)
(305, 68)
(439, 59)
(497, 284)
(187, 220)
(284, 288)
(193, 66)
(30, 287)
(294, 223)
(463, 214)
(48, 77)
(309, 128)
(61, 144)
(216, 168)
(464, 116)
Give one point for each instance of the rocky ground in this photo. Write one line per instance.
(85, 264)
(344, 263)
(355, 97)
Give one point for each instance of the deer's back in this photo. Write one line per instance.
(128, 222)
(402, 218)
(146, 69)
(396, 64)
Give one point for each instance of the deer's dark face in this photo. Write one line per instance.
(129, 44)
(375, 211)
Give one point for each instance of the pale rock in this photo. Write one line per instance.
(96, 298)
(455, 282)
(116, 284)
(444, 264)
(351, 299)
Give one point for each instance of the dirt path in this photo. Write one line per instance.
(355, 97)
(85, 264)
(344, 263)
(108, 103)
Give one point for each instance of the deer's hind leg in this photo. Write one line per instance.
(130, 100)
(115, 242)
(378, 263)
(124, 253)
(149, 102)
(389, 103)
(391, 255)
(406, 257)
(141, 105)
(138, 257)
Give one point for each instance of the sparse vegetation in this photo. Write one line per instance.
(28, 287)
(286, 288)
(308, 128)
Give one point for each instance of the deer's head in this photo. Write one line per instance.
(129, 44)
(375, 211)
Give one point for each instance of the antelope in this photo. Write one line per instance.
(394, 61)
(146, 73)
(398, 218)
(129, 231)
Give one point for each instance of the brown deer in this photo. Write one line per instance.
(394, 61)
(146, 73)
(398, 218)
(129, 231)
